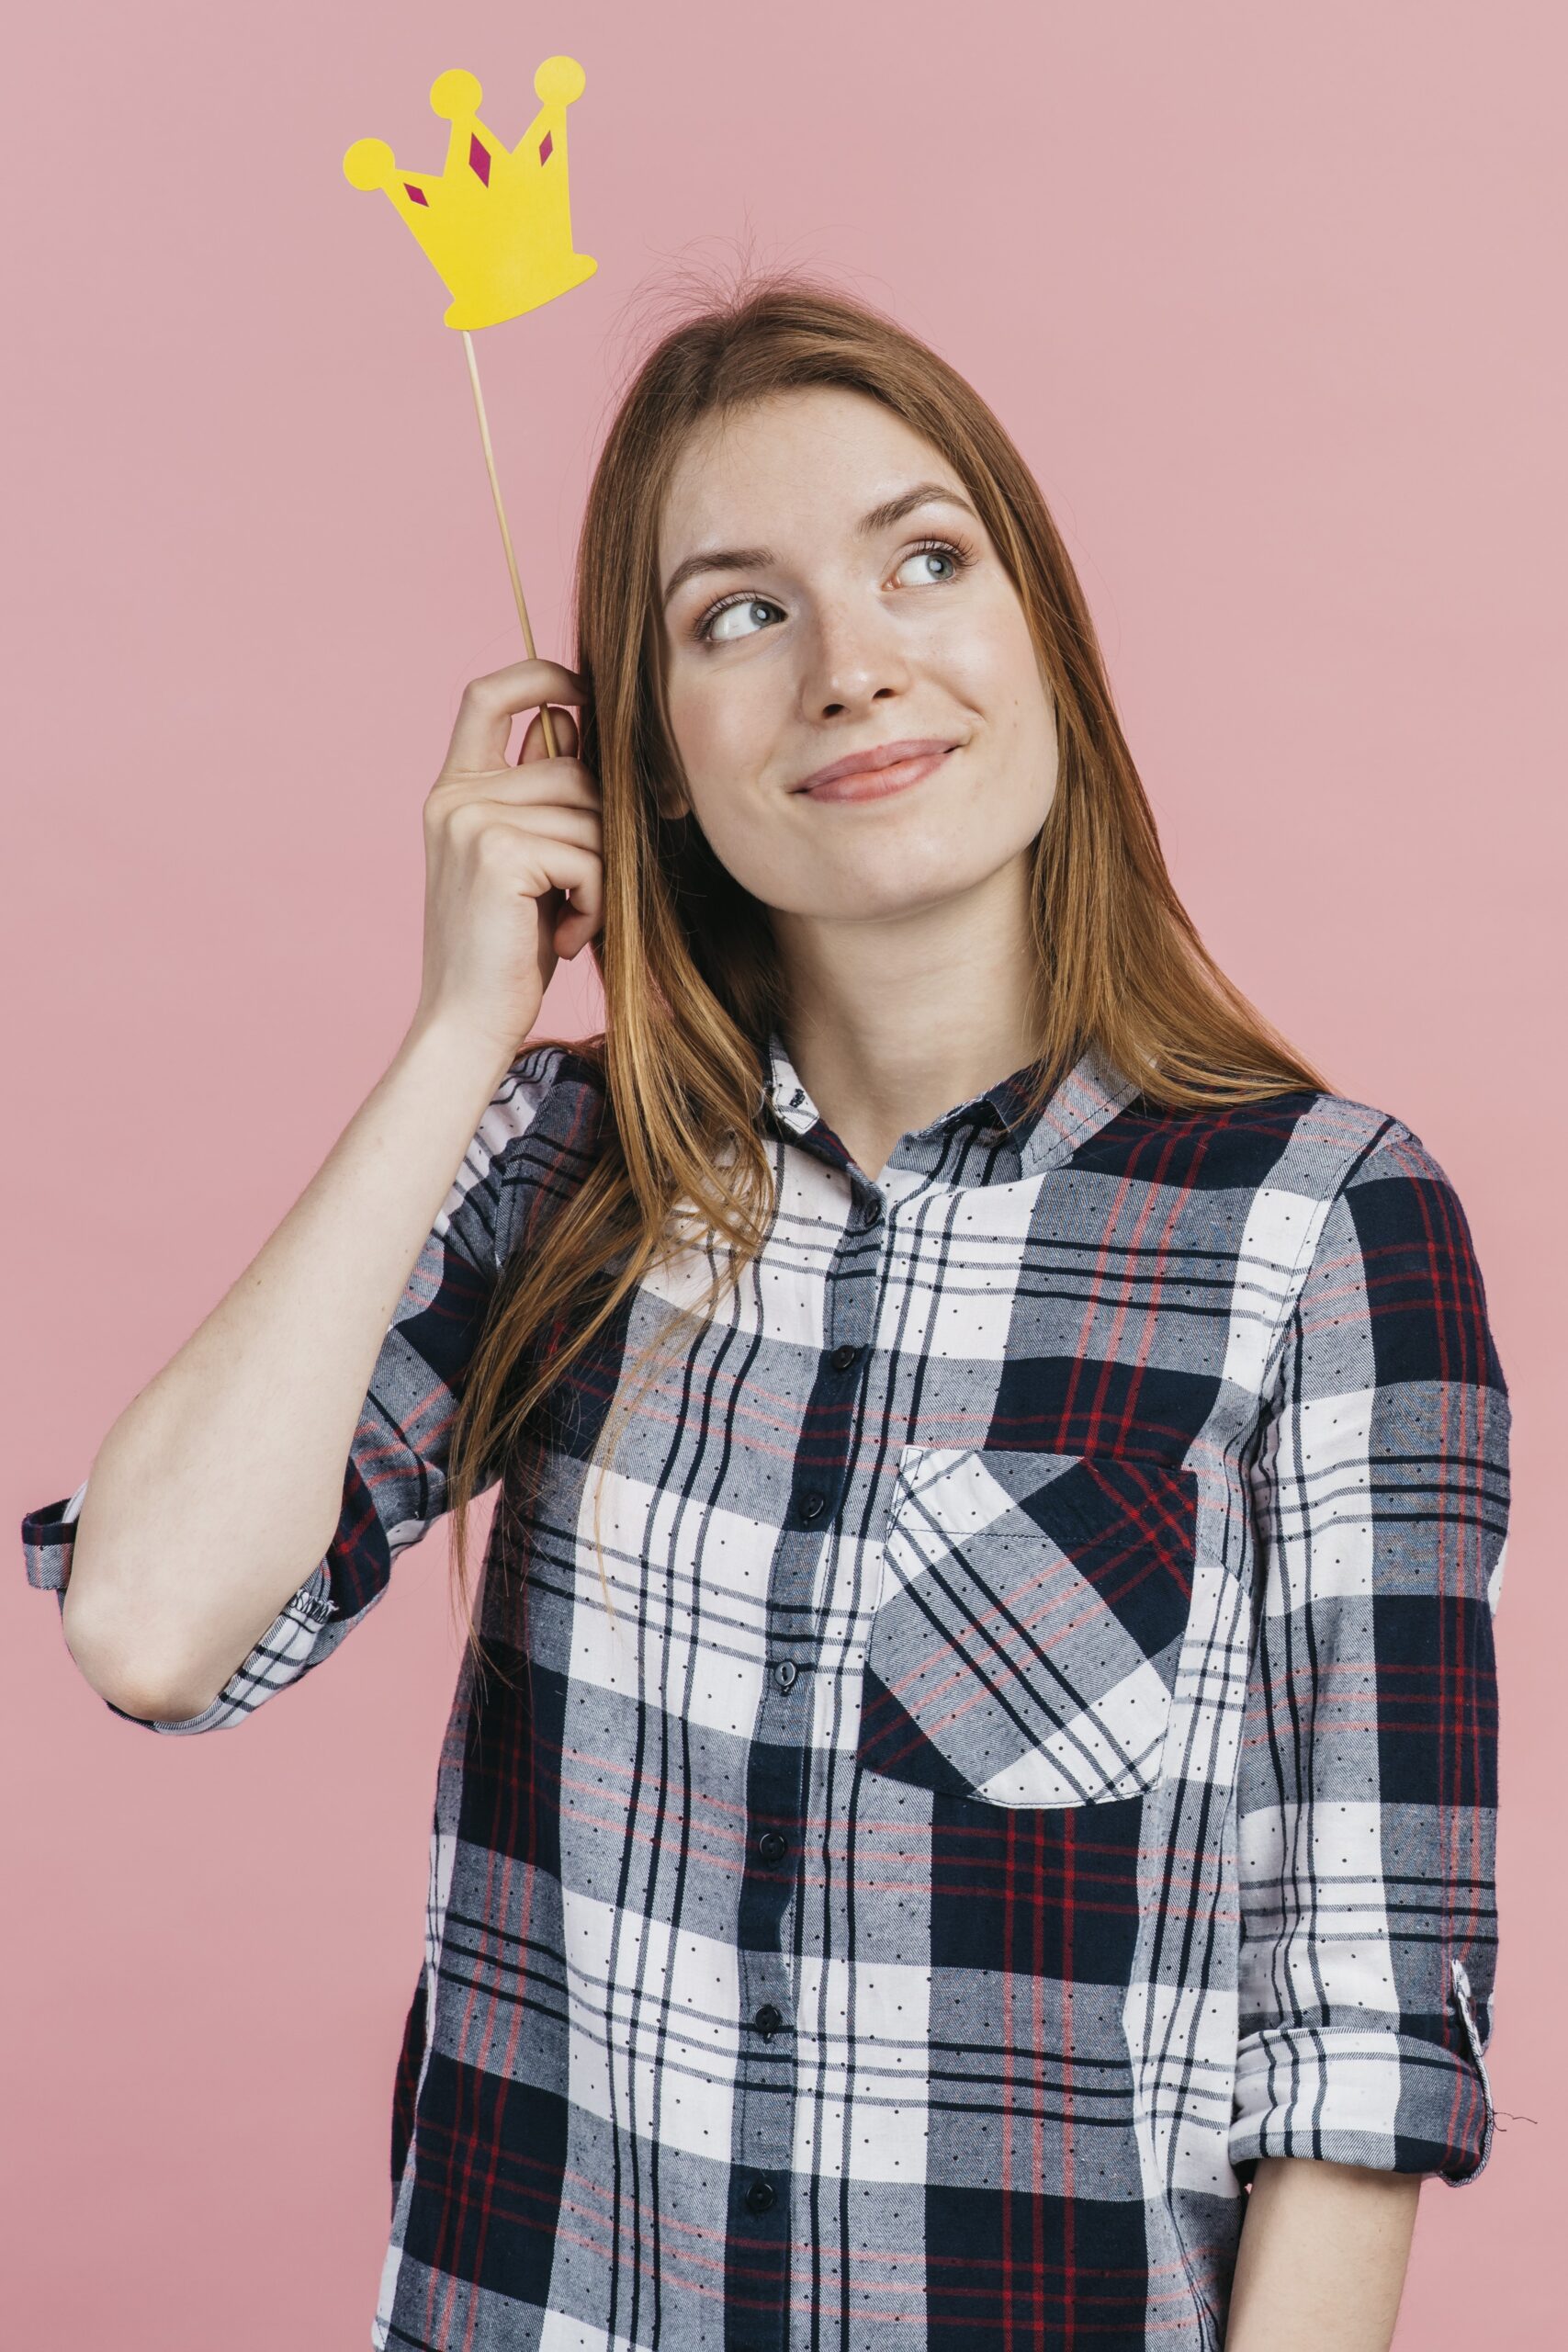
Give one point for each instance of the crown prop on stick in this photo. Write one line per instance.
(496, 223)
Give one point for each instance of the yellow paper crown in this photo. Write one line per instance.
(497, 223)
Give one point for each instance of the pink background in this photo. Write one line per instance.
(1270, 298)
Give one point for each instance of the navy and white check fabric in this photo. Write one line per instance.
(1041, 1760)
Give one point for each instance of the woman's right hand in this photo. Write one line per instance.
(503, 843)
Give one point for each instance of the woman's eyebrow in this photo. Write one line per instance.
(875, 519)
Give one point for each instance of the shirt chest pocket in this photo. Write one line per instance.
(1024, 1642)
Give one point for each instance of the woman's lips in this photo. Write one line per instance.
(874, 783)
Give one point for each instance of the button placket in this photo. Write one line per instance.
(779, 1796)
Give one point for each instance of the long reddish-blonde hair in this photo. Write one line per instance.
(691, 987)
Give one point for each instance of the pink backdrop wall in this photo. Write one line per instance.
(1266, 297)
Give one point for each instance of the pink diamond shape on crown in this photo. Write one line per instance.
(479, 159)
(415, 194)
(544, 145)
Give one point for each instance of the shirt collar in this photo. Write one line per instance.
(1090, 1095)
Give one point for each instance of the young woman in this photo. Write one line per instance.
(975, 1771)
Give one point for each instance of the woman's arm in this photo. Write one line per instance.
(1367, 1772)
(222, 1480)
(1324, 2249)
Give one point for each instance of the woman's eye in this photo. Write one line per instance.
(930, 553)
(710, 628)
(713, 628)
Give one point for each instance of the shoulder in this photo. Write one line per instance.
(545, 1124)
(551, 1081)
(551, 1059)
(1355, 1143)
(1362, 1151)
(1306, 1143)
(1394, 1252)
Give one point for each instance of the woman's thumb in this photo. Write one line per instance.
(562, 726)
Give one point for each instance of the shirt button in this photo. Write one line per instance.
(785, 1673)
(873, 1213)
(813, 1506)
(760, 2196)
(768, 2020)
(773, 1845)
(844, 1357)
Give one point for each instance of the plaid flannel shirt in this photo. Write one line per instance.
(1040, 1762)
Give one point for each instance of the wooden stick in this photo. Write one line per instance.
(505, 534)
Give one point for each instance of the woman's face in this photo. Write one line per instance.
(817, 630)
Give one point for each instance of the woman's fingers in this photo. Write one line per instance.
(483, 725)
(582, 872)
(564, 727)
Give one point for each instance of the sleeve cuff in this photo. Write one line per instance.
(293, 1642)
(1360, 2095)
(49, 1536)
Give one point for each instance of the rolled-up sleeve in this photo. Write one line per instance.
(1368, 1777)
(395, 1479)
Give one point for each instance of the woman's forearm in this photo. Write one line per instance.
(221, 1481)
(1321, 2265)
